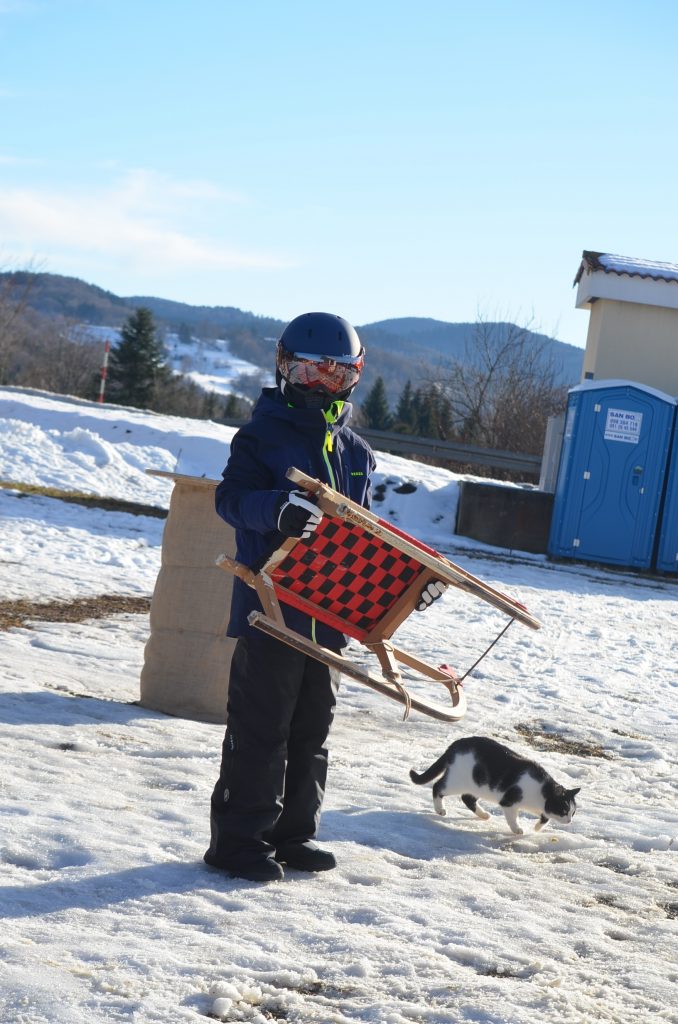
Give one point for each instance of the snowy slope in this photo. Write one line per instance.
(208, 363)
(109, 913)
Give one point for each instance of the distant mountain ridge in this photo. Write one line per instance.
(450, 340)
(399, 349)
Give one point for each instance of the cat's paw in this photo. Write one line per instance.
(517, 831)
(482, 814)
(441, 811)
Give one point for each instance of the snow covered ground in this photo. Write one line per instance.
(109, 913)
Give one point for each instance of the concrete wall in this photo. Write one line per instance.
(506, 517)
(633, 341)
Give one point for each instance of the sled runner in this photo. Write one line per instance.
(364, 577)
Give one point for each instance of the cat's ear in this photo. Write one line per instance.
(573, 792)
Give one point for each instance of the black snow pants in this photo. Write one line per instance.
(274, 760)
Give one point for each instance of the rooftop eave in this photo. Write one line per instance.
(646, 291)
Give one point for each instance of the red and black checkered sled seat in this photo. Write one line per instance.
(362, 576)
(345, 577)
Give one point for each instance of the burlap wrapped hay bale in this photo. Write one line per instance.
(188, 656)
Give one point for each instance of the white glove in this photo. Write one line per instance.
(431, 592)
(297, 516)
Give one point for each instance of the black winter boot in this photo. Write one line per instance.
(254, 869)
(305, 857)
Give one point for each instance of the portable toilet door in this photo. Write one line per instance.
(667, 551)
(611, 474)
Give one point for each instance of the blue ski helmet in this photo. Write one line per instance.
(319, 360)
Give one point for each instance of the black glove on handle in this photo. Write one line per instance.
(298, 517)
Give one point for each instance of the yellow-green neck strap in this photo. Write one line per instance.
(331, 416)
(334, 412)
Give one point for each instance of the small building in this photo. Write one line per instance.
(633, 328)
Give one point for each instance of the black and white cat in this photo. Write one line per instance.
(478, 767)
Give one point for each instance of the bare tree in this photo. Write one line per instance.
(504, 389)
(40, 351)
(15, 289)
(56, 355)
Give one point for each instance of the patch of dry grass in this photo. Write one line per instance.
(543, 739)
(20, 614)
(88, 500)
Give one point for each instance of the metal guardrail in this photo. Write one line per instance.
(453, 451)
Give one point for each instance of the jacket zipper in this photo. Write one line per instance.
(327, 448)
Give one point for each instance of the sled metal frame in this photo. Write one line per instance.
(321, 576)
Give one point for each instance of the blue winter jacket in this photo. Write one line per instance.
(254, 482)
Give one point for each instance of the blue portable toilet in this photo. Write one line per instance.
(611, 475)
(667, 552)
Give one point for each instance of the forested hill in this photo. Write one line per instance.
(400, 349)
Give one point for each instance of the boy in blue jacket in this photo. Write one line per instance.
(265, 808)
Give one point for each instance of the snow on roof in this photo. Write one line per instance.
(609, 264)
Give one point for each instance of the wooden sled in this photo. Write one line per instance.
(362, 576)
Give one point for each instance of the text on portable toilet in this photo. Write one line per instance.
(622, 425)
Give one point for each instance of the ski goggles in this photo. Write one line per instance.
(332, 374)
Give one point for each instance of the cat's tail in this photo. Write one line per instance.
(434, 771)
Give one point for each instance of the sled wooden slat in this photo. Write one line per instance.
(363, 577)
(349, 668)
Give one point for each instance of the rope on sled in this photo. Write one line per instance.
(486, 651)
(407, 700)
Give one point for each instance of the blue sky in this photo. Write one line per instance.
(376, 159)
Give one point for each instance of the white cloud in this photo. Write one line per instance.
(134, 220)
(146, 190)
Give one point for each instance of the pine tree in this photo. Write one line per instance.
(405, 417)
(184, 334)
(137, 363)
(433, 413)
(375, 407)
(236, 408)
(423, 414)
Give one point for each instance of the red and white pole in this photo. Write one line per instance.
(104, 370)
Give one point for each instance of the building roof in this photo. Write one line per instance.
(623, 265)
